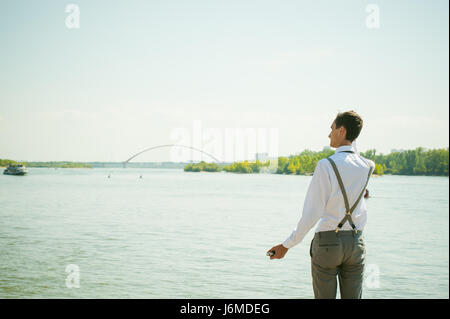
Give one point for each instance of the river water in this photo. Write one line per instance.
(173, 234)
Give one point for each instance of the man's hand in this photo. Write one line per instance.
(279, 250)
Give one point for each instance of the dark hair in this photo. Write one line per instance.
(352, 122)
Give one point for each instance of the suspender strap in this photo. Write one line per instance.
(348, 210)
(341, 184)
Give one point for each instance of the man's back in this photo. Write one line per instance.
(353, 170)
(324, 202)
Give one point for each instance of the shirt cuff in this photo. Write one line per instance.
(286, 244)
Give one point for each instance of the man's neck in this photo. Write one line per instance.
(346, 143)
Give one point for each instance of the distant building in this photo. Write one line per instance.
(262, 157)
(394, 150)
(424, 149)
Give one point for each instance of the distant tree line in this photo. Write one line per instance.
(412, 162)
(58, 164)
(303, 163)
(6, 162)
(202, 167)
(245, 167)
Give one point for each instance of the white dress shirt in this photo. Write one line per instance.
(324, 201)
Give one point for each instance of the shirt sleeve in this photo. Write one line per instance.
(315, 202)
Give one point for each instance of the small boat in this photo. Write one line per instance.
(15, 170)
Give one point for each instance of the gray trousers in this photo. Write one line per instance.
(339, 254)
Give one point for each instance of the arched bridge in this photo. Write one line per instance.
(169, 145)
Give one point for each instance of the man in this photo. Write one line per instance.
(334, 198)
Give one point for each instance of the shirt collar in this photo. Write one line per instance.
(344, 148)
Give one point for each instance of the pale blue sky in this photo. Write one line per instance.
(135, 70)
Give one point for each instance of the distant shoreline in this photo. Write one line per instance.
(373, 175)
(417, 162)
